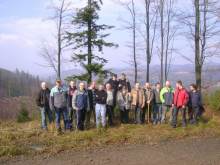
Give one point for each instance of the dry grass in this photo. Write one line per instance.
(27, 138)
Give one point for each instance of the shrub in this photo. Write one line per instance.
(23, 115)
(214, 100)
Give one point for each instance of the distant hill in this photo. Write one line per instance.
(18, 83)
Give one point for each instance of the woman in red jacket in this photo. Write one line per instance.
(180, 102)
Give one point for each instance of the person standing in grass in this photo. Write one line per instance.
(180, 102)
(157, 105)
(72, 112)
(80, 103)
(100, 108)
(42, 101)
(137, 102)
(195, 101)
(124, 103)
(91, 94)
(148, 93)
(124, 83)
(109, 104)
(58, 104)
(166, 97)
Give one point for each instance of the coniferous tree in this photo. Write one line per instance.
(88, 39)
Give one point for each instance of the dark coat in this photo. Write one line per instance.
(124, 83)
(101, 97)
(70, 96)
(43, 98)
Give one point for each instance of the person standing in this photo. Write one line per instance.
(58, 97)
(157, 105)
(71, 111)
(114, 85)
(124, 83)
(148, 93)
(109, 104)
(124, 103)
(195, 100)
(42, 101)
(100, 108)
(180, 102)
(91, 94)
(80, 103)
(166, 97)
(137, 102)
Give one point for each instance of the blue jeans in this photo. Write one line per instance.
(157, 113)
(64, 113)
(45, 112)
(100, 110)
(175, 115)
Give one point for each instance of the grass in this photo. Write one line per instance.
(27, 138)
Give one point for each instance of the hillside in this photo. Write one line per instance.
(18, 83)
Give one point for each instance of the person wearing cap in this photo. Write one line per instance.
(58, 98)
(42, 101)
(124, 83)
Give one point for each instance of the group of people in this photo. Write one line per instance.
(156, 105)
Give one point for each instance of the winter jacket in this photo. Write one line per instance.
(124, 102)
(156, 96)
(80, 100)
(58, 97)
(181, 98)
(109, 98)
(166, 96)
(43, 98)
(148, 94)
(91, 95)
(101, 97)
(137, 100)
(195, 99)
(70, 95)
(124, 83)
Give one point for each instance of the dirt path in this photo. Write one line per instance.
(184, 152)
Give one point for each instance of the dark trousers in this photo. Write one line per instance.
(124, 116)
(80, 114)
(109, 113)
(145, 110)
(175, 116)
(195, 115)
(89, 114)
(72, 117)
(137, 114)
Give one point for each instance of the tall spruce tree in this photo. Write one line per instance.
(88, 39)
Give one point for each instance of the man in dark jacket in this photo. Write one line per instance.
(195, 102)
(43, 102)
(91, 94)
(72, 113)
(124, 83)
(114, 84)
(180, 102)
(81, 105)
(157, 105)
(100, 108)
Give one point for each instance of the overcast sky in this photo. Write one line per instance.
(24, 25)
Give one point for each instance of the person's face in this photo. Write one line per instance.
(191, 88)
(158, 86)
(137, 86)
(101, 87)
(168, 84)
(72, 84)
(123, 77)
(81, 86)
(43, 86)
(114, 78)
(177, 85)
(93, 85)
(58, 84)
(147, 85)
(108, 86)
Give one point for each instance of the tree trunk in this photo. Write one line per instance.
(162, 42)
(89, 46)
(198, 66)
(148, 55)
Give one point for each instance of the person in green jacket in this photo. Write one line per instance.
(166, 97)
